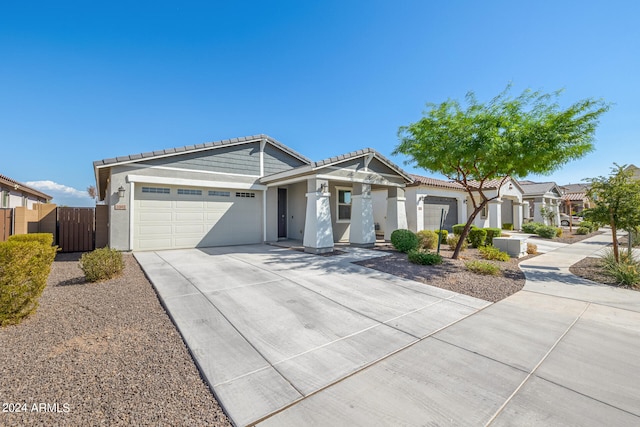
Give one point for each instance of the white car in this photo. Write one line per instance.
(566, 219)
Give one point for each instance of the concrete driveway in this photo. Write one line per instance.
(289, 339)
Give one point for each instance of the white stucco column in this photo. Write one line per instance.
(495, 214)
(362, 231)
(462, 210)
(396, 211)
(318, 232)
(518, 209)
(556, 210)
(537, 216)
(525, 211)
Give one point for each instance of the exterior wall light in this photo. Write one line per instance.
(121, 191)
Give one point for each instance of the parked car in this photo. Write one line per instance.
(566, 219)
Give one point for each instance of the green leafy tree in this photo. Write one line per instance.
(476, 144)
(617, 200)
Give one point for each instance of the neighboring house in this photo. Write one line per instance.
(542, 195)
(14, 194)
(246, 190)
(635, 170)
(574, 198)
(428, 197)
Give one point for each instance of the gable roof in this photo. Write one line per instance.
(575, 188)
(101, 167)
(6, 181)
(331, 161)
(534, 188)
(491, 184)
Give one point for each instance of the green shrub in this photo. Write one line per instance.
(547, 231)
(491, 233)
(457, 229)
(424, 258)
(101, 264)
(531, 227)
(493, 253)
(477, 237)
(483, 267)
(24, 268)
(507, 226)
(428, 239)
(558, 231)
(588, 225)
(453, 242)
(43, 238)
(626, 272)
(583, 231)
(443, 235)
(404, 240)
(532, 248)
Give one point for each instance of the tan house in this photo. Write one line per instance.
(14, 194)
(574, 198)
(543, 197)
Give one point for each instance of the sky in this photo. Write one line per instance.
(83, 81)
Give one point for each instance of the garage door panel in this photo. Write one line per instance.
(189, 221)
(433, 207)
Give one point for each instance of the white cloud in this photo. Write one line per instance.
(55, 189)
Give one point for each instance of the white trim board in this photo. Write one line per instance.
(194, 182)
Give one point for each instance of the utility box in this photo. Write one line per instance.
(516, 248)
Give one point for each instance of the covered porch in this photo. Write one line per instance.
(331, 201)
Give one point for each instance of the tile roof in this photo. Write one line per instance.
(574, 196)
(198, 147)
(530, 187)
(25, 188)
(433, 182)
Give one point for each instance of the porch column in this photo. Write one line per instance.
(318, 232)
(362, 231)
(462, 210)
(396, 211)
(556, 210)
(495, 214)
(518, 214)
(537, 215)
(525, 211)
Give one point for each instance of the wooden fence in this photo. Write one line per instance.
(5, 223)
(76, 227)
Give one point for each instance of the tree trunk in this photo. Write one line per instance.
(616, 253)
(465, 231)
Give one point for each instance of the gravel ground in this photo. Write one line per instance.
(591, 268)
(453, 275)
(104, 353)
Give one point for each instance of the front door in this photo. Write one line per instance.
(282, 212)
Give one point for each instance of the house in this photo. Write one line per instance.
(635, 170)
(427, 199)
(544, 198)
(574, 198)
(14, 194)
(246, 190)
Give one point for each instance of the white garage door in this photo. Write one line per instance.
(170, 217)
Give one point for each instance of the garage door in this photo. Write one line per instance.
(170, 217)
(432, 210)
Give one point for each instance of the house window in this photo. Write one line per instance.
(219, 193)
(188, 192)
(247, 195)
(5, 199)
(483, 214)
(344, 205)
(156, 190)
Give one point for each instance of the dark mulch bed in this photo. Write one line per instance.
(452, 274)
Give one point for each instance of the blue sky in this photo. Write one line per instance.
(82, 81)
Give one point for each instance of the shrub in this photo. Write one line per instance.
(457, 229)
(491, 233)
(424, 258)
(101, 264)
(428, 239)
(626, 272)
(43, 238)
(477, 237)
(558, 231)
(492, 253)
(531, 227)
(532, 248)
(546, 231)
(507, 226)
(588, 225)
(443, 235)
(583, 231)
(404, 240)
(483, 267)
(453, 242)
(24, 268)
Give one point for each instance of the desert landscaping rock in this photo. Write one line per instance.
(101, 353)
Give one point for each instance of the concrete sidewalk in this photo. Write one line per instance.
(290, 339)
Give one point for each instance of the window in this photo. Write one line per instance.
(5, 199)
(344, 205)
(248, 195)
(156, 190)
(219, 193)
(187, 192)
(483, 214)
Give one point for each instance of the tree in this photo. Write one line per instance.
(617, 200)
(93, 193)
(481, 143)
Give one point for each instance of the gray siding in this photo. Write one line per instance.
(242, 159)
(377, 166)
(276, 160)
